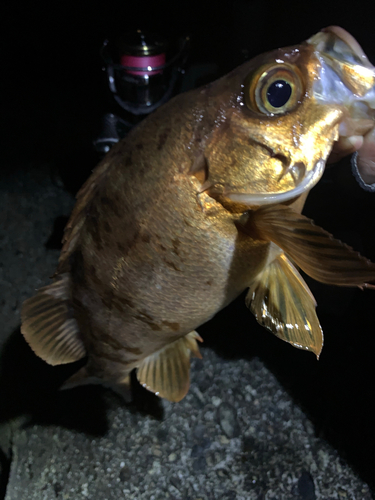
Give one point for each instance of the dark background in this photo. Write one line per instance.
(53, 93)
(54, 97)
(54, 87)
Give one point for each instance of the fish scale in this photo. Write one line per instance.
(199, 202)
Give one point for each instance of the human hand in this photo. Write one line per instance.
(364, 145)
(366, 158)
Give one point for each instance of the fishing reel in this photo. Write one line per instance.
(142, 72)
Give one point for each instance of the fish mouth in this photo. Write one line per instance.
(269, 198)
(346, 79)
(346, 76)
(326, 41)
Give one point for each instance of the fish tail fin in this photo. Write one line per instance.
(81, 377)
(48, 324)
(314, 250)
(121, 386)
(282, 302)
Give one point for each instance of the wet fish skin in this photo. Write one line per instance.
(170, 228)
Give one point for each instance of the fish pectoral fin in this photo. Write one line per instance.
(167, 372)
(313, 249)
(49, 326)
(282, 302)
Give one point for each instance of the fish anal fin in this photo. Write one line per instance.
(314, 250)
(167, 371)
(49, 326)
(282, 302)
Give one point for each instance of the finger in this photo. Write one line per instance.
(366, 158)
(344, 147)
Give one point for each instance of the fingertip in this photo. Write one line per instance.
(356, 141)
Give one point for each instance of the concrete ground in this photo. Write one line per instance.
(261, 420)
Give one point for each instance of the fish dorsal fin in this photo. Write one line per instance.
(313, 249)
(48, 324)
(282, 302)
(167, 371)
(84, 198)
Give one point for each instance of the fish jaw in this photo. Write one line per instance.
(257, 199)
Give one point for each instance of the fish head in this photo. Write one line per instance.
(288, 107)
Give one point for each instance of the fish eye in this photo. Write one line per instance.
(274, 89)
(278, 93)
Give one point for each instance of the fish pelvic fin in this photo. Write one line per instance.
(282, 302)
(167, 371)
(314, 250)
(48, 324)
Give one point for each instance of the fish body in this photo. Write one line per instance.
(199, 202)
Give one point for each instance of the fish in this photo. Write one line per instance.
(199, 202)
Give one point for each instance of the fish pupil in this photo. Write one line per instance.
(278, 93)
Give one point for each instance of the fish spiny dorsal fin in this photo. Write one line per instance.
(282, 302)
(84, 197)
(48, 324)
(167, 372)
(313, 249)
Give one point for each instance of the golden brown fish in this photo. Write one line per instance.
(199, 202)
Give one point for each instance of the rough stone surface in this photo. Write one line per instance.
(237, 435)
(30, 203)
(186, 454)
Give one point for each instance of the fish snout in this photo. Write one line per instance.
(354, 47)
(338, 51)
(346, 78)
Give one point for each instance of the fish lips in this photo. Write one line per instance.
(311, 178)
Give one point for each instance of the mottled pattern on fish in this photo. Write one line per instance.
(199, 202)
